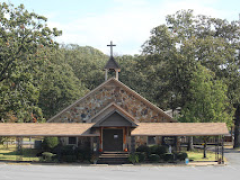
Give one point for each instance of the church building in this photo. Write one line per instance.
(115, 118)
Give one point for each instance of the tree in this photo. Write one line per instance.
(24, 38)
(59, 87)
(209, 101)
(172, 51)
(87, 64)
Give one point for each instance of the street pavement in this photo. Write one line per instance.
(231, 171)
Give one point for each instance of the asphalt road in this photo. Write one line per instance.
(51, 172)
(124, 172)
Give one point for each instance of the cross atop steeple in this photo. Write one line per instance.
(111, 65)
(111, 48)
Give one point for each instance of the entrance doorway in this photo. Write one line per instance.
(112, 139)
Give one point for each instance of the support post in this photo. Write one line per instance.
(106, 74)
(100, 141)
(19, 148)
(116, 75)
(222, 149)
(132, 144)
(125, 139)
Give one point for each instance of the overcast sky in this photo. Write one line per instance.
(126, 22)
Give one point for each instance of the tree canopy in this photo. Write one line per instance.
(188, 62)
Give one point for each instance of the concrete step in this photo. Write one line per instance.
(113, 158)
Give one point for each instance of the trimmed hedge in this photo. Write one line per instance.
(68, 150)
(69, 158)
(154, 158)
(49, 143)
(182, 156)
(133, 158)
(141, 156)
(167, 156)
(143, 149)
(158, 149)
(84, 154)
(47, 156)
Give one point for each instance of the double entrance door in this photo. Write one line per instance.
(112, 139)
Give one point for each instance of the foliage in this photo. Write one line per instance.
(133, 158)
(154, 158)
(47, 156)
(84, 154)
(168, 157)
(141, 156)
(171, 53)
(143, 149)
(49, 143)
(182, 156)
(158, 149)
(23, 40)
(209, 102)
(69, 158)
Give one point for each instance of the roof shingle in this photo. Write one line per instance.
(180, 129)
(112, 64)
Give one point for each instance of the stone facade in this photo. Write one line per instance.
(110, 92)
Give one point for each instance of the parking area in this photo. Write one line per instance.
(21, 171)
(104, 172)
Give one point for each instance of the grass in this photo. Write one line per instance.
(198, 156)
(10, 153)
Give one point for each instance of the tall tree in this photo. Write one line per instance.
(209, 101)
(24, 36)
(173, 50)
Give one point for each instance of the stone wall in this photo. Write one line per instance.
(111, 92)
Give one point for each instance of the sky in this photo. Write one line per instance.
(125, 22)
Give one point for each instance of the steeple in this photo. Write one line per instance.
(111, 65)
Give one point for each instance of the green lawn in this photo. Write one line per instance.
(10, 154)
(198, 156)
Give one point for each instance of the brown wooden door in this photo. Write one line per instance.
(112, 139)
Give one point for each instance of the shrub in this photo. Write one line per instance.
(154, 158)
(69, 158)
(141, 156)
(84, 154)
(182, 156)
(168, 156)
(68, 150)
(158, 149)
(133, 158)
(50, 142)
(143, 149)
(47, 156)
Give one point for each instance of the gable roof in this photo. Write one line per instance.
(112, 64)
(116, 109)
(138, 96)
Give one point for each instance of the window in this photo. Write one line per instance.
(151, 139)
(72, 140)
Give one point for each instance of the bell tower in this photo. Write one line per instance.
(111, 65)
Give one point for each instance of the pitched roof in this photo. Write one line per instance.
(112, 64)
(114, 108)
(104, 114)
(46, 129)
(138, 96)
(180, 129)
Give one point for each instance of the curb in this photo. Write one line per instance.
(123, 165)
